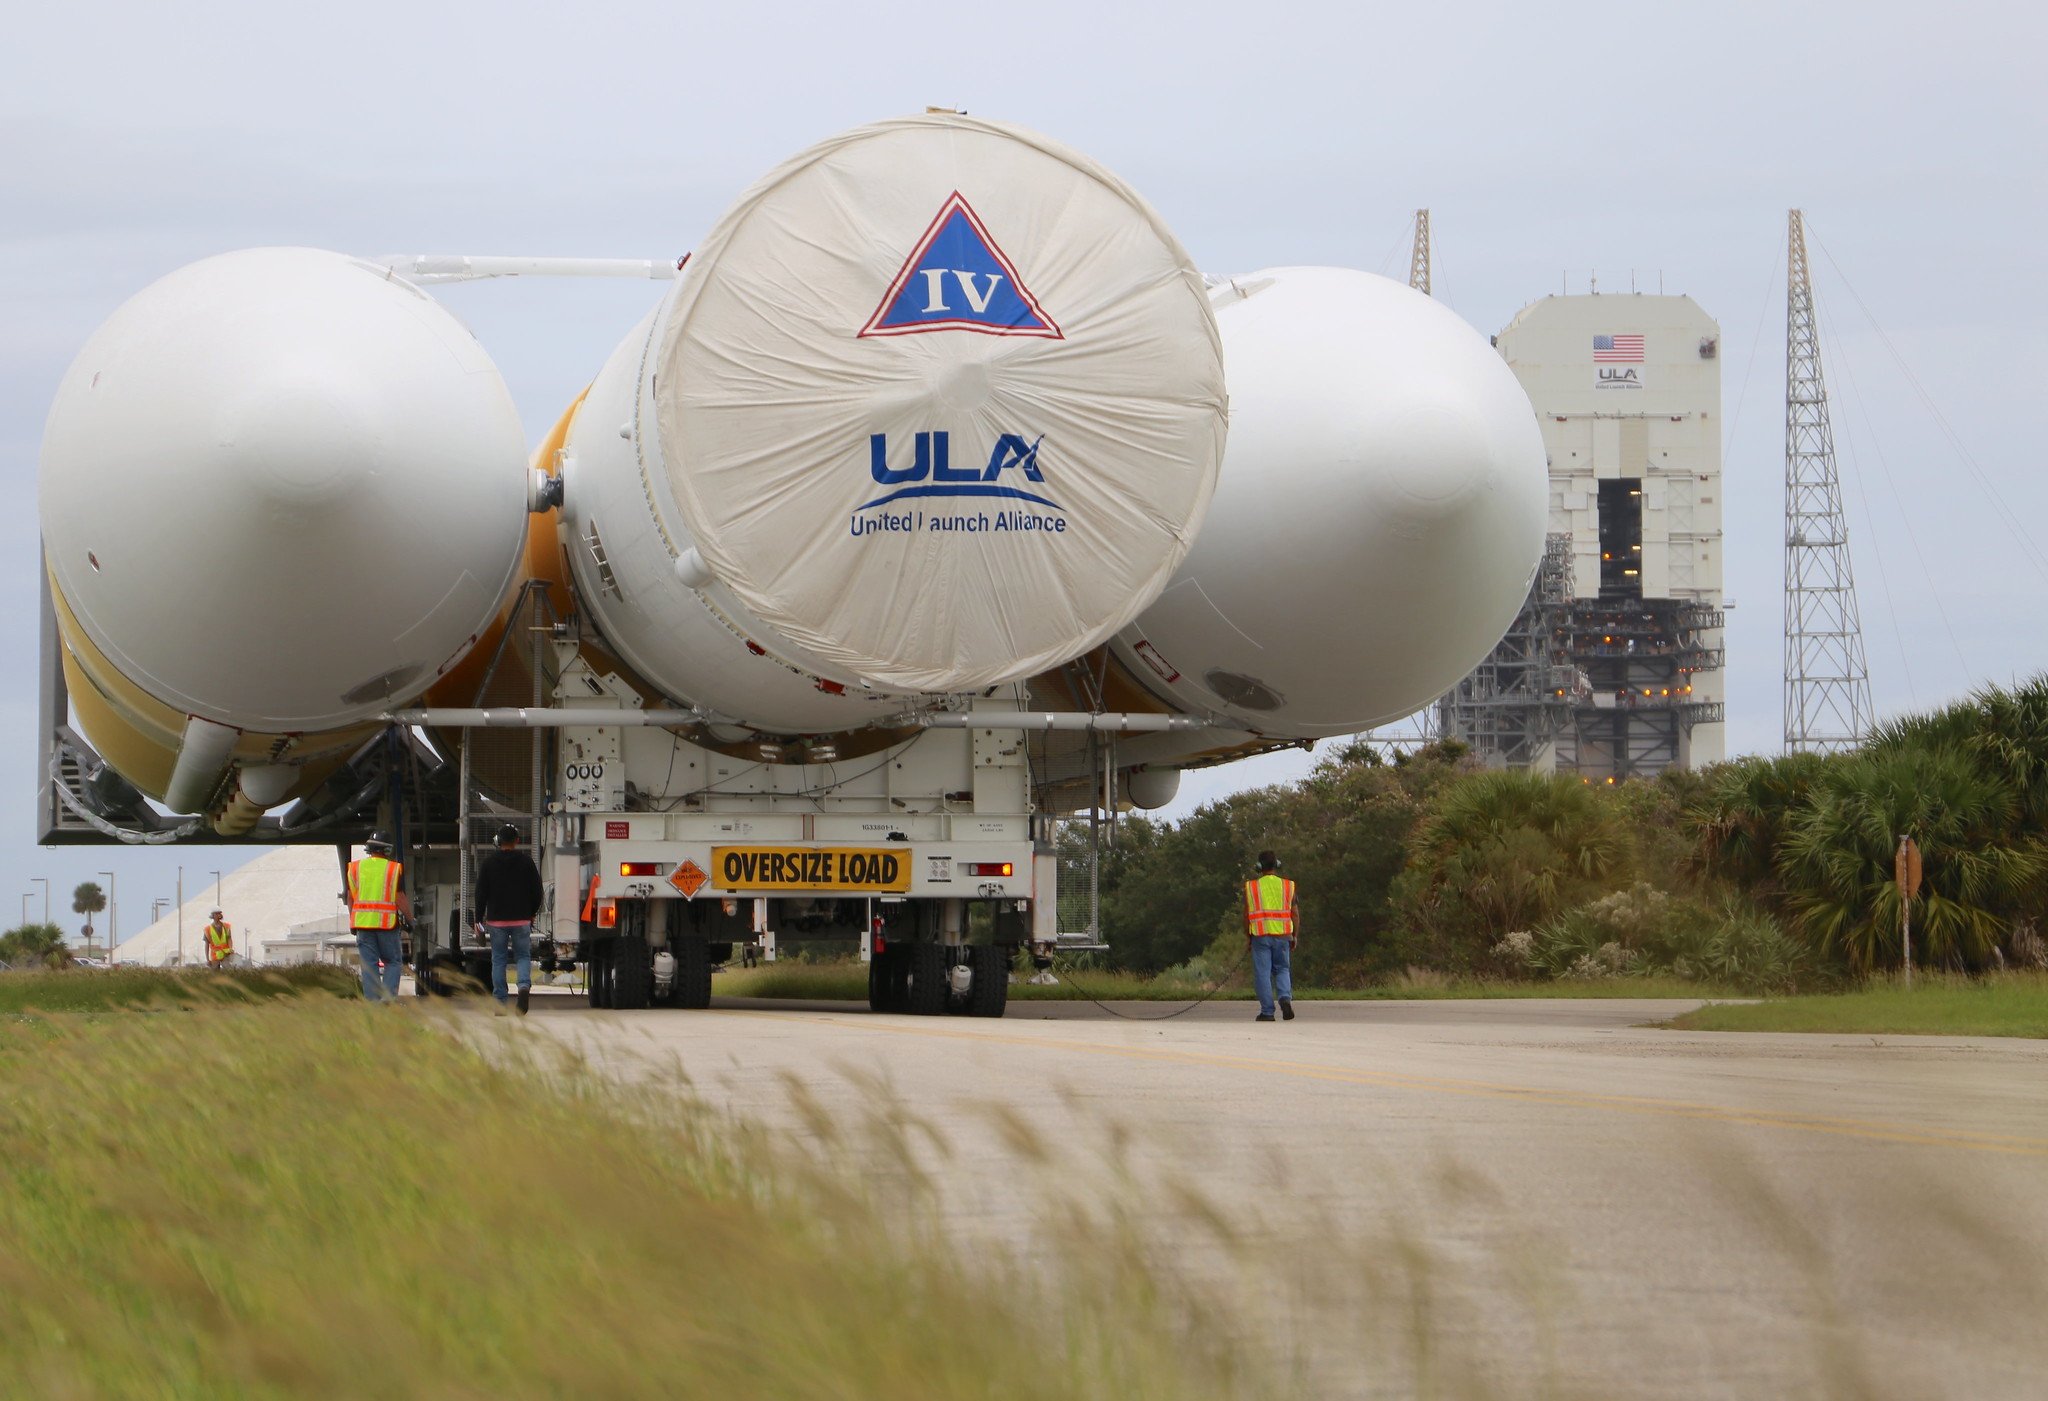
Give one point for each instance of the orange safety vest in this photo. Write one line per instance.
(220, 941)
(1269, 906)
(373, 893)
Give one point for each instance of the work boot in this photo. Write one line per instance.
(524, 991)
(1263, 1017)
(1287, 1009)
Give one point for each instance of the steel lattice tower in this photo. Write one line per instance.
(1418, 260)
(1827, 684)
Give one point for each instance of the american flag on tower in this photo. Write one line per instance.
(1618, 350)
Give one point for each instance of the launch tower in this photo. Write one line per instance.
(1614, 668)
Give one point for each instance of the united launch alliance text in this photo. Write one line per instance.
(969, 523)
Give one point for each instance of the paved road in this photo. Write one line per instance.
(1510, 1197)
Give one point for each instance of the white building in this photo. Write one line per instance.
(1615, 669)
(277, 904)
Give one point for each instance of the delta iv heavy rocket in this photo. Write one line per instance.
(940, 418)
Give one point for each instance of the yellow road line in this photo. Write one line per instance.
(1874, 1130)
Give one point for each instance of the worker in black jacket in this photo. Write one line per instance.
(508, 895)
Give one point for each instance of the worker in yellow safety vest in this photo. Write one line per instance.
(1272, 923)
(220, 941)
(376, 907)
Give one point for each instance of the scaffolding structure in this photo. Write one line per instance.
(1511, 708)
(1596, 686)
(1827, 682)
(1637, 658)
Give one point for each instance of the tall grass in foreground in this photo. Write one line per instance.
(126, 989)
(2007, 1004)
(330, 1199)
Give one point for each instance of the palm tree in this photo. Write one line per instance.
(34, 946)
(2006, 729)
(1836, 857)
(88, 899)
(1740, 817)
(2012, 737)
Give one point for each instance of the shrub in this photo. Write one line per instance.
(1647, 931)
(1501, 851)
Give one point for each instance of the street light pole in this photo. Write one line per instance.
(43, 881)
(111, 912)
(30, 895)
(216, 890)
(181, 916)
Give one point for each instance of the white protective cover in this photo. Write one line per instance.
(941, 275)
(282, 490)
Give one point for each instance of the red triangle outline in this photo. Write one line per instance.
(1050, 329)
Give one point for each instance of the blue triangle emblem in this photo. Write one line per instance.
(957, 279)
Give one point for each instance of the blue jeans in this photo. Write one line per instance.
(520, 939)
(1272, 963)
(377, 946)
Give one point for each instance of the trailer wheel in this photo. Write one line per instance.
(597, 972)
(692, 986)
(926, 995)
(885, 981)
(990, 993)
(632, 975)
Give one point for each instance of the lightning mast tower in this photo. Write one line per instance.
(1827, 684)
(1418, 261)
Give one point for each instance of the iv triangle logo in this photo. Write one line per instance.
(956, 279)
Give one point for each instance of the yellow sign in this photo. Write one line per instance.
(863, 869)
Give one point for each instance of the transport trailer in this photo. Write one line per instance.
(939, 923)
(667, 848)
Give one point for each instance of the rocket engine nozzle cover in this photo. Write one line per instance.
(281, 491)
(940, 402)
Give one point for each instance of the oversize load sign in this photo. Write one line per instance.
(810, 868)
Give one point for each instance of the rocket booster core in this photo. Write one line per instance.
(280, 493)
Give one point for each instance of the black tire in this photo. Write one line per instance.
(692, 987)
(990, 994)
(884, 991)
(632, 975)
(597, 968)
(925, 970)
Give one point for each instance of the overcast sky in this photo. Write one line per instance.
(1551, 143)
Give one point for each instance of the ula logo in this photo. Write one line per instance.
(931, 471)
(957, 279)
(1611, 378)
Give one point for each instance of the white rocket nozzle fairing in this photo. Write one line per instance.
(1379, 517)
(280, 492)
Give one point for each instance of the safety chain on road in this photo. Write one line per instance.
(1221, 983)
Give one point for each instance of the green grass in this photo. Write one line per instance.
(103, 990)
(2011, 1004)
(825, 982)
(321, 1198)
(849, 982)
